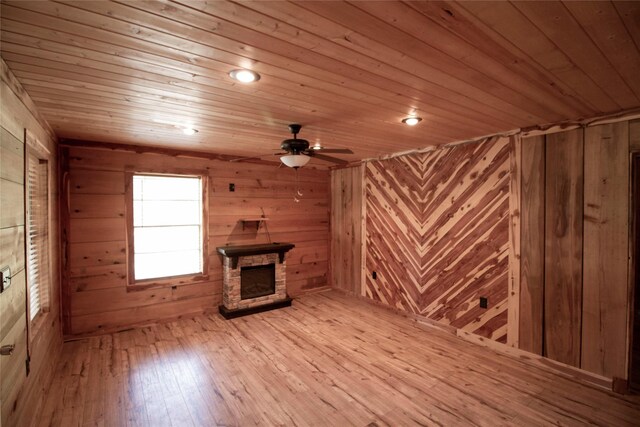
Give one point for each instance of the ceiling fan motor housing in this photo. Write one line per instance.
(295, 146)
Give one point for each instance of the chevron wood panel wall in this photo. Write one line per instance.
(437, 234)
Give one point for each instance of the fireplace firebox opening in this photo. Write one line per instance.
(257, 281)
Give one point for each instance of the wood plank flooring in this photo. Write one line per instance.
(327, 360)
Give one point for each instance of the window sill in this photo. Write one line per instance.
(167, 282)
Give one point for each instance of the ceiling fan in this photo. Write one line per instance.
(298, 152)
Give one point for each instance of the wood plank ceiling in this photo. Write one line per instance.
(126, 72)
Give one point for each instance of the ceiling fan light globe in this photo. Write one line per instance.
(295, 160)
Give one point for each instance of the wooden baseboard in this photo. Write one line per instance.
(559, 368)
(621, 386)
(576, 374)
(213, 309)
(116, 329)
(311, 291)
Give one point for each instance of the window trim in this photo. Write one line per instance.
(33, 147)
(161, 282)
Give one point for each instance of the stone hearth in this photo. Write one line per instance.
(235, 258)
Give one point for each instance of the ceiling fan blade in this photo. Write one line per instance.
(336, 150)
(239, 159)
(330, 159)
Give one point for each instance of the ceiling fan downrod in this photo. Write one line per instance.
(294, 128)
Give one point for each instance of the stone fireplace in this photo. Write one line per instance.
(254, 278)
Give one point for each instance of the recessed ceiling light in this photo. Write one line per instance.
(412, 121)
(245, 76)
(189, 131)
(316, 146)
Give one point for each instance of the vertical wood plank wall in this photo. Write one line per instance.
(606, 249)
(21, 396)
(513, 278)
(346, 224)
(634, 135)
(586, 285)
(574, 212)
(99, 298)
(563, 246)
(532, 244)
(437, 234)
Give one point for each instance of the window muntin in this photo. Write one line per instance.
(167, 226)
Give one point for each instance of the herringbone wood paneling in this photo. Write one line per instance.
(437, 234)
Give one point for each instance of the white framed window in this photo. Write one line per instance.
(37, 233)
(166, 227)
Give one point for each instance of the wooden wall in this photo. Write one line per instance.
(437, 234)
(605, 304)
(21, 395)
(575, 283)
(532, 226)
(347, 208)
(97, 296)
(563, 246)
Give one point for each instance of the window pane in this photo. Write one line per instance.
(167, 235)
(167, 264)
(153, 213)
(138, 209)
(137, 187)
(166, 239)
(165, 188)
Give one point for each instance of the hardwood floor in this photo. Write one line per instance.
(327, 360)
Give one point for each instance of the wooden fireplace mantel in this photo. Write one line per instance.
(234, 252)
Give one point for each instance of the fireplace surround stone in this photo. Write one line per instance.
(234, 258)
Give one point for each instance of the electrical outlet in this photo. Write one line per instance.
(484, 302)
(232, 187)
(374, 275)
(5, 278)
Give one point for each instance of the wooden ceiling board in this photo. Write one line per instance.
(629, 12)
(348, 71)
(312, 107)
(25, 66)
(422, 59)
(555, 20)
(488, 50)
(610, 35)
(339, 42)
(516, 31)
(99, 77)
(285, 50)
